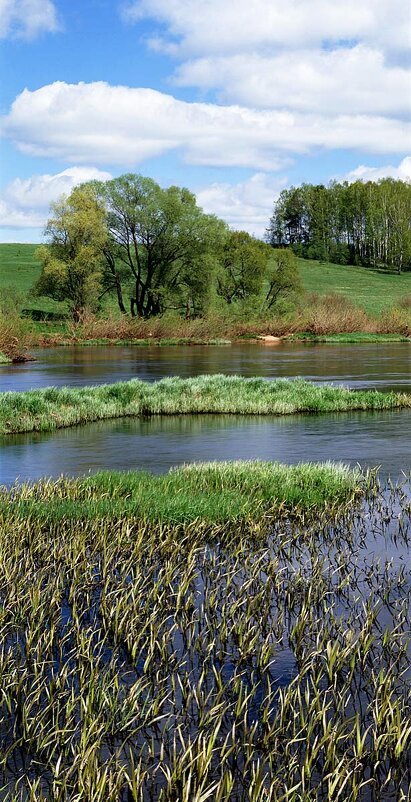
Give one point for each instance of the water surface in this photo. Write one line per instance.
(158, 443)
(386, 366)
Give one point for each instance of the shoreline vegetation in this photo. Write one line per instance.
(53, 408)
(336, 304)
(205, 493)
(329, 319)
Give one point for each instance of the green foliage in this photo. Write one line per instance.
(165, 241)
(72, 266)
(359, 223)
(283, 279)
(243, 267)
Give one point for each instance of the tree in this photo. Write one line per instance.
(72, 262)
(244, 261)
(284, 279)
(363, 223)
(166, 242)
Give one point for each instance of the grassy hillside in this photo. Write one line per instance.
(369, 289)
(372, 290)
(19, 271)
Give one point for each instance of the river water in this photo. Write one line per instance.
(155, 444)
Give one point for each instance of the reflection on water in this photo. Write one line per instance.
(386, 366)
(157, 443)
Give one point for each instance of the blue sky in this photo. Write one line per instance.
(232, 99)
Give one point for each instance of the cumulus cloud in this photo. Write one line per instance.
(304, 55)
(246, 206)
(25, 202)
(347, 80)
(204, 27)
(27, 18)
(362, 173)
(125, 126)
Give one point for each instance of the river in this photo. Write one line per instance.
(370, 439)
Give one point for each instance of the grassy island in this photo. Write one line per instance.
(211, 493)
(53, 408)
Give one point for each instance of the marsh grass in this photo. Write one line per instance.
(210, 493)
(53, 408)
(162, 662)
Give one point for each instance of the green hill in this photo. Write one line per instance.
(372, 290)
(19, 271)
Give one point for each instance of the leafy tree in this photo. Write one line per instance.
(243, 267)
(164, 240)
(284, 279)
(72, 263)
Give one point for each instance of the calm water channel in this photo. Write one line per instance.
(158, 443)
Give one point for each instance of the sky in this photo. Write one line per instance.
(232, 99)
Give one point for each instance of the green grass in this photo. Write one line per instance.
(150, 341)
(349, 337)
(4, 360)
(19, 271)
(372, 290)
(208, 492)
(53, 408)
(19, 268)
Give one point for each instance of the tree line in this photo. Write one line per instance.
(360, 223)
(155, 250)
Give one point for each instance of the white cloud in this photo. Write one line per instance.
(25, 202)
(246, 206)
(363, 173)
(27, 18)
(347, 80)
(317, 56)
(125, 126)
(204, 27)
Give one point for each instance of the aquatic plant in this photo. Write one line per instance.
(212, 493)
(52, 408)
(144, 661)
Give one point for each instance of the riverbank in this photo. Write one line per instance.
(54, 408)
(262, 339)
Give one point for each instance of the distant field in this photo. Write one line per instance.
(369, 289)
(19, 270)
(18, 267)
(372, 290)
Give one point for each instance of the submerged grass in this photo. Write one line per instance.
(53, 408)
(155, 662)
(210, 493)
